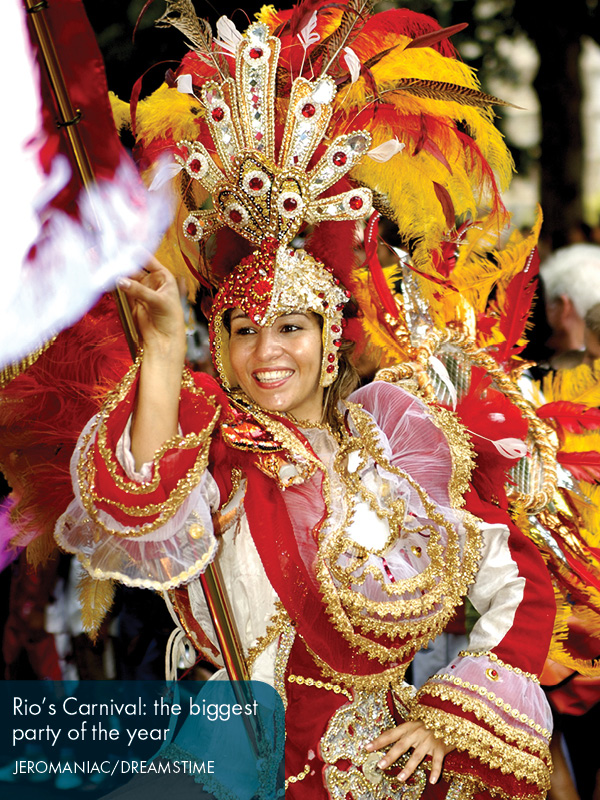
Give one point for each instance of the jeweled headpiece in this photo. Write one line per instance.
(266, 188)
(275, 281)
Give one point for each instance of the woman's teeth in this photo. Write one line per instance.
(273, 375)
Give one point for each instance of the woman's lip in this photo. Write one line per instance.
(271, 377)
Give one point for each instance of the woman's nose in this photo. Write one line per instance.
(267, 344)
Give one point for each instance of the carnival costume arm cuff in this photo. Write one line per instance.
(157, 534)
(495, 712)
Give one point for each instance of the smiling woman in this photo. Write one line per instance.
(338, 515)
(279, 365)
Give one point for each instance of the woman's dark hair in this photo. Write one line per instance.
(345, 383)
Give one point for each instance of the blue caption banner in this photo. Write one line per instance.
(125, 740)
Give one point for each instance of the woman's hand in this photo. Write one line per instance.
(416, 736)
(155, 303)
(156, 307)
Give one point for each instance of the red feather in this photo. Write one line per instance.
(443, 196)
(573, 417)
(383, 290)
(431, 39)
(303, 11)
(517, 307)
(44, 410)
(399, 21)
(584, 466)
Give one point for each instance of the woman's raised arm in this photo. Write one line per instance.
(157, 311)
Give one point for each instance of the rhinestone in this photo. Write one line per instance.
(357, 143)
(256, 52)
(330, 368)
(217, 114)
(195, 165)
(235, 216)
(191, 229)
(256, 184)
(308, 111)
(356, 203)
(339, 158)
(337, 342)
(290, 204)
(331, 357)
(335, 328)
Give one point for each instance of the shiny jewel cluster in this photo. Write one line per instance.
(252, 193)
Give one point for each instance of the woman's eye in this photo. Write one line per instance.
(243, 331)
(289, 328)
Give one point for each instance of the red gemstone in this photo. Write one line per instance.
(335, 328)
(217, 114)
(340, 158)
(330, 368)
(308, 110)
(195, 165)
(256, 52)
(356, 203)
(331, 357)
(256, 184)
(191, 229)
(337, 342)
(235, 216)
(290, 204)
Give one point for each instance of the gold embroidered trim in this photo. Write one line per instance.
(275, 628)
(286, 641)
(143, 583)
(453, 574)
(16, 368)
(461, 451)
(489, 715)
(459, 441)
(86, 471)
(370, 683)
(299, 777)
(236, 478)
(112, 400)
(465, 786)
(483, 745)
(494, 657)
(330, 687)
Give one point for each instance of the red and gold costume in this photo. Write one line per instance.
(343, 552)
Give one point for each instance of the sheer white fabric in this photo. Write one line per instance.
(162, 559)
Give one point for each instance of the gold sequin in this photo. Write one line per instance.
(196, 531)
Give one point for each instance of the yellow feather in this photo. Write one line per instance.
(120, 111)
(578, 385)
(96, 598)
(168, 114)
(41, 549)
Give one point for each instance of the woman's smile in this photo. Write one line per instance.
(279, 365)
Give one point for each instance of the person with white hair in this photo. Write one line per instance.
(571, 280)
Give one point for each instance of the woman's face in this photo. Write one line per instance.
(279, 366)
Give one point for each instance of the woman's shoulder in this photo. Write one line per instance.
(425, 440)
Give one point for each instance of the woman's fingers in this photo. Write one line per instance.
(415, 736)
(154, 297)
(437, 762)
